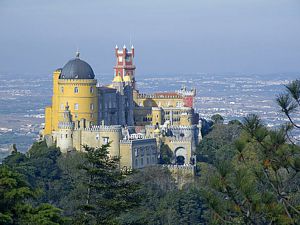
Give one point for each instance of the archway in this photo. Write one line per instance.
(180, 156)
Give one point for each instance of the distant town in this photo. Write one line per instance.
(232, 96)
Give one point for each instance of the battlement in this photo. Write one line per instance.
(103, 128)
(184, 92)
(179, 139)
(182, 127)
(180, 167)
(66, 125)
(163, 95)
(145, 140)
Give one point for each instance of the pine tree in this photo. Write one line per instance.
(15, 195)
(109, 192)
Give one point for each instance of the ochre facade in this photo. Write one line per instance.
(135, 124)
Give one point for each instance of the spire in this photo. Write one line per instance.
(77, 53)
(117, 47)
(124, 46)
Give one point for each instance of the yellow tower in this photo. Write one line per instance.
(73, 85)
(157, 117)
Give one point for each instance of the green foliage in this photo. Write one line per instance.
(163, 202)
(217, 119)
(218, 145)
(259, 184)
(108, 192)
(15, 208)
(166, 154)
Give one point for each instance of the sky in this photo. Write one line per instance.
(170, 36)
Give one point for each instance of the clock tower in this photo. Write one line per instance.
(125, 67)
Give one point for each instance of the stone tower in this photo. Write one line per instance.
(65, 131)
(124, 64)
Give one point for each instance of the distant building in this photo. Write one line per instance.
(86, 113)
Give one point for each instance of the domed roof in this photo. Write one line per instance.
(77, 69)
(127, 78)
(118, 79)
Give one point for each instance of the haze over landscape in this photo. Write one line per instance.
(250, 36)
(221, 48)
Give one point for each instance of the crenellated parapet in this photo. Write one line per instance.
(66, 125)
(160, 96)
(192, 127)
(103, 128)
(179, 139)
(180, 167)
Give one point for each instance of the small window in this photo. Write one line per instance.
(105, 140)
(76, 90)
(97, 136)
(76, 106)
(142, 161)
(62, 89)
(91, 106)
(62, 106)
(91, 90)
(136, 163)
(76, 115)
(92, 115)
(66, 135)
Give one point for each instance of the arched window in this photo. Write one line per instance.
(76, 90)
(91, 90)
(62, 89)
(91, 106)
(76, 106)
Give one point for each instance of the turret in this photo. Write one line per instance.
(124, 64)
(65, 131)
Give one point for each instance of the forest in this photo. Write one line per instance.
(246, 174)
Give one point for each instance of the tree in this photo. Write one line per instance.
(260, 184)
(289, 101)
(15, 194)
(217, 119)
(109, 192)
(218, 145)
(166, 154)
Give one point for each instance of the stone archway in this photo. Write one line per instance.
(181, 156)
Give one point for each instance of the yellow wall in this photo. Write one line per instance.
(157, 116)
(54, 117)
(159, 102)
(48, 120)
(63, 92)
(84, 98)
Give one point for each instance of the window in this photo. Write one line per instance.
(148, 160)
(105, 140)
(62, 89)
(136, 163)
(76, 115)
(97, 136)
(75, 89)
(76, 106)
(66, 136)
(142, 161)
(92, 115)
(62, 106)
(91, 106)
(120, 59)
(91, 90)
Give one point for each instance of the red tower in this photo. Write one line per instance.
(124, 63)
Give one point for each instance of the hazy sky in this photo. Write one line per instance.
(170, 36)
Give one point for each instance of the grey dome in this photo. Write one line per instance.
(77, 69)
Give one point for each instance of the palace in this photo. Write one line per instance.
(137, 125)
